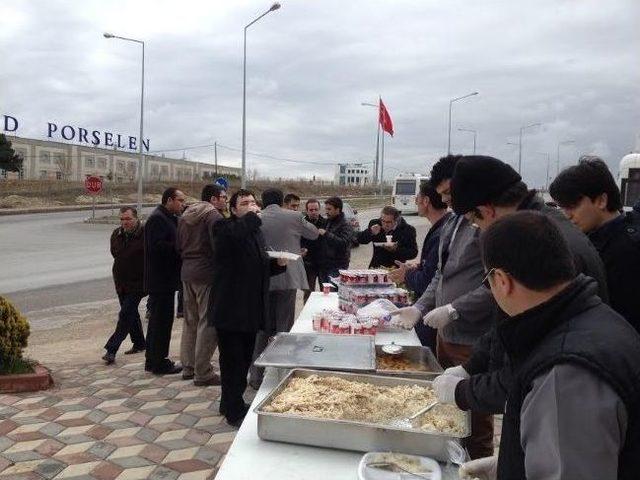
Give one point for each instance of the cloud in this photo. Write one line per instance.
(570, 65)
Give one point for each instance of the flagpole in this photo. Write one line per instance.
(382, 166)
(377, 162)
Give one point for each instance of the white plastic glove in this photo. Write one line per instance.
(406, 317)
(441, 316)
(483, 469)
(457, 371)
(444, 387)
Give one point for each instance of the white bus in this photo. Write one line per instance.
(405, 190)
(629, 176)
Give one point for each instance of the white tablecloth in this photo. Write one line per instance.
(252, 458)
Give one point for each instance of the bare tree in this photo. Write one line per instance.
(65, 164)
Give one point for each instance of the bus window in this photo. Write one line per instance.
(405, 187)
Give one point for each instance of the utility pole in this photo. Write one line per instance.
(215, 156)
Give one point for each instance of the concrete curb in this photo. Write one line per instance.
(67, 208)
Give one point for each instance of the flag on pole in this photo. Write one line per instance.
(385, 119)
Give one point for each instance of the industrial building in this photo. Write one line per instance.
(353, 174)
(45, 159)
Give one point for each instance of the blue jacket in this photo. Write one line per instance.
(418, 279)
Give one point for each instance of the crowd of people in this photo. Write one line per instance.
(530, 306)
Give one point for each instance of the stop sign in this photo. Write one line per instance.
(93, 185)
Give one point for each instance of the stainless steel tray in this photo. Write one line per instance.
(353, 353)
(351, 435)
(415, 354)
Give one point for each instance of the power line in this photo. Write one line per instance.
(261, 155)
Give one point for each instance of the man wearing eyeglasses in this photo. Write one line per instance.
(199, 339)
(572, 399)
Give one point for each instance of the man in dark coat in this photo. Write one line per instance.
(403, 244)
(312, 249)
(162, 279)
(240, 297)
(417, 278)
(573, 401)
(589, 196)
(336, 240)
(127, 249)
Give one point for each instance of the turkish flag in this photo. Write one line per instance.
(385, 119)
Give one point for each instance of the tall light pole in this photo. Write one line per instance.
(546, 181)
(243, 181)
(450, 106)
(141, 139)
(564, 142)
(475, 135)
(522, 129)
(375, 166)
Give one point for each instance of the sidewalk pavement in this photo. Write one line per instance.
(113, 422)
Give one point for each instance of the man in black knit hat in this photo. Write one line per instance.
(485, 189)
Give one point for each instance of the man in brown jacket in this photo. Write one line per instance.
(199, 338)
(127, 248)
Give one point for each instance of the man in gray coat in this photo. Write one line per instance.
(282, 230)
(452, 302)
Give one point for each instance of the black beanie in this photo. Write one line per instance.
(478, 179)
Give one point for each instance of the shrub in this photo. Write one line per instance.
(14, 332)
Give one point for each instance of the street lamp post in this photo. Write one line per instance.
(564, 142)
(243, 182)
(475, 135)
(450, 106)
(141, 166)
(546, 181)
(375, 166)
(522, 129)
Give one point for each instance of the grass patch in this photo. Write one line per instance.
(17, 366)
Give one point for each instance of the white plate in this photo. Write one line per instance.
(382, 244)
(286, 255)
(372, 473)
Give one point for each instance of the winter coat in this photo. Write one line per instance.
(314, 247)
(127, 249)
(241, 270)
(418, 279)
(574, 328)
(161, 258)
(457, 281)
(195, 227)
(405, 236)
(336, 243)
(618, 242)
(282, 230)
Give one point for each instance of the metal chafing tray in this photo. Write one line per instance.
(355, 353)
(352, 435)
(419, 355)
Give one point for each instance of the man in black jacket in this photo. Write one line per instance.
(127, 249)
(336, 240)
(239, 304)
(312, 249)
(589, 196)
(403, 244)
(573, 400)
(481, 383)
(162, 279)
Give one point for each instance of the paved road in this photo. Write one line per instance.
(51, 260)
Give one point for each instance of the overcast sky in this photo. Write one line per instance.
(571, 65)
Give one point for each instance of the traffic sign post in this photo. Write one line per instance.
(223, 182)
(93, 186)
